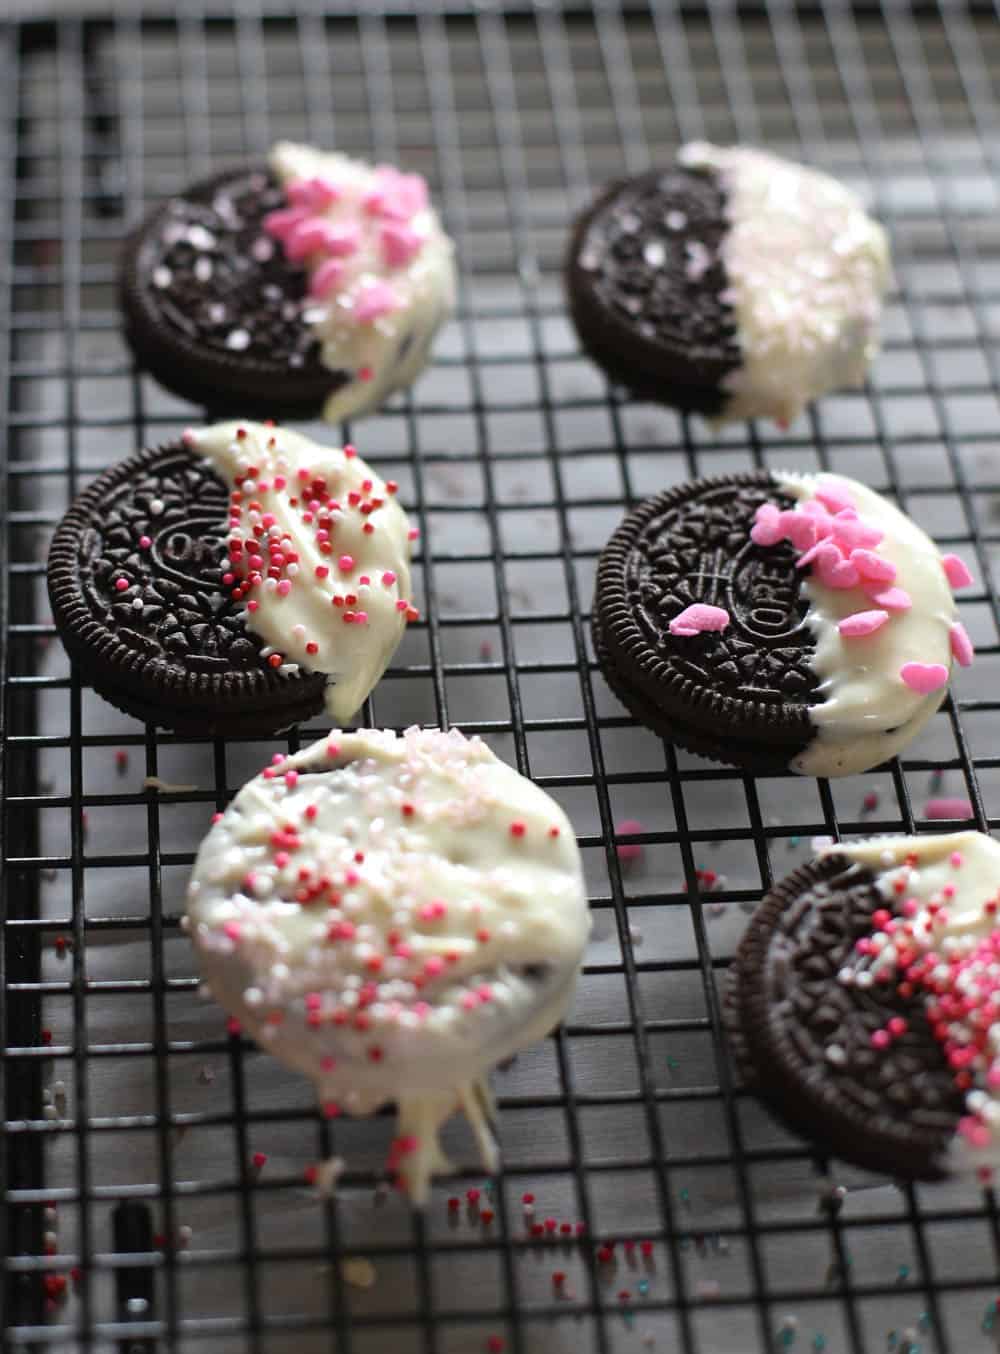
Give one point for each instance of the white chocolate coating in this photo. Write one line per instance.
(293, 613)
(445, 930)
(957, 875)
(808, 269)
(424, 285)
(868, 713)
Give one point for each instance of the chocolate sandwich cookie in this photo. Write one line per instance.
(393, 916)
(233, 582)
(778, 621)
(863, 1002)
(734, 284)
(314, 282)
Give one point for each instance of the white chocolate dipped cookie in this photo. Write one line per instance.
(393, 915)
(779, 621)
(318, 554)
(732, 283)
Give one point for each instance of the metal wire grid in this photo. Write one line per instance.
(517, 461)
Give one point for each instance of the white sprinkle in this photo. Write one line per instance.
(676, 220)
(162, 277)
(238, 340)
(836, 1055)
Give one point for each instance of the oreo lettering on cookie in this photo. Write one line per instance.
(777, 621)
(186, 598)
(733, 284)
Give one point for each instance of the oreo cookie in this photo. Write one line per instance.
(859, 1021)
(733, 284)
(180, 583)
(312, 284)
(778, 621)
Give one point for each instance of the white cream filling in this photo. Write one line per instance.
(354, 653)
(469, 875)
(868, 713)
(372, 351)
(808, 269)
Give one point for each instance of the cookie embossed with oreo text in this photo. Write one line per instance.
(778, 621)
(135, 580)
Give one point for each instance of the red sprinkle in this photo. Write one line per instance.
(517, 829)
(259, 1160)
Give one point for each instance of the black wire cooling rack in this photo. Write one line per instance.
(153, 1166)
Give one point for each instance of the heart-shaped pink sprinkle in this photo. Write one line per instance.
(961, 644)
(956, 571)
(924, 677)
(799, 528)
(862, 623)
(852, 533)
(873, 566)
(698, 617)
(305, 238)
(832, 494)
(326, 278)
(841, 575)
(280, 224)
(893, 599)
(767, 528)
(400, 243)
(324, 192)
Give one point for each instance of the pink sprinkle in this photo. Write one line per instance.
(698, 617)
(893, 599)
(388, 578)
(799, 527)
(280, 224)
(144, 542)
(948, 808)
(327, 277)
(432, 911)
(957, 860)
(434, 966)
(306, 237)
(873, 566)
(400, 243)
(121, 584)
(852, 534)
(345, 564)
(961, 645)
(842, 574)
(284, 587)
(956, 571)
(862, 623)
(328, 1062)
(233, 930)
(259, 1160)
(373, 301)
(469, 1001)
(767, 529)
(924, 677)
(881, 1039)
(629, 851)
(993, 1076)
(291, 779)
(832, 494)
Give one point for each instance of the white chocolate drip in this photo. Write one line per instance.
(386, 353)
(958, 874)
(353, 652)
(808, 269)
(868, 713)
(445, 932)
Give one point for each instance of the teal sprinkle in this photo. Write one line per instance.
(891, 1340)
(924, 1321)
(685, 1197)
(989, 1318)
(488, 1189)
(629, 1318)
(672, 1064)
(793, 842)
(643, 1287)
(902, 1274)
(786, 1337)
(819, 1342)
